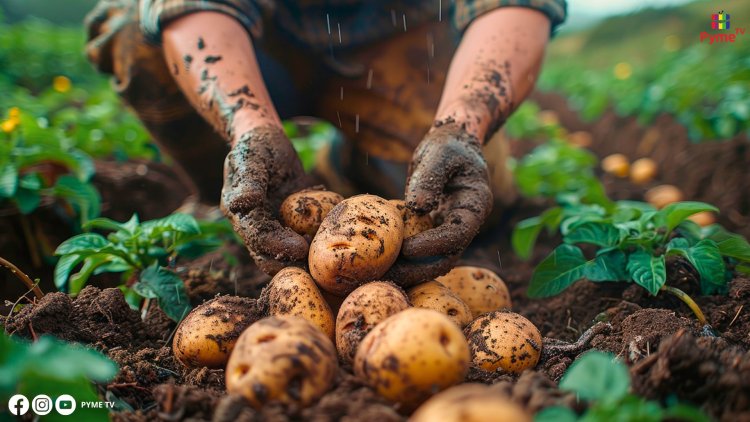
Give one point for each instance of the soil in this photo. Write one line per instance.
(669, 354)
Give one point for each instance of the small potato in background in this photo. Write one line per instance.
(305, 210)
(413, 223)
(292, 291)
(663, 195)
(643, 171)
(412, 355)
(357, 242)
(470, 403)
(363, 309)
(435, 296)
(206, 336)
(703, 218)
(616, 165)
(504, 340)
(481, 289)
(282, 359)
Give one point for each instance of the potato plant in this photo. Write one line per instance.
(143, 252)
(604, 382)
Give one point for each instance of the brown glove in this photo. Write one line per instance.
(448, 174)
(259, 172)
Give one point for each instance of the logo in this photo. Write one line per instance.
(18, 405)
(720, 21)
(41, 405)
(65, 405)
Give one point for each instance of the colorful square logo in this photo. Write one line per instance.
(720, 21)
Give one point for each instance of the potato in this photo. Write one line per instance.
(481, 289)
(362, 310)
(413, 223)
(412, 355)
(616, 165)
(357, 242)
(282, 359)
(505, 341)
(435, 296)
(703, 219)
(470, 403)
(663, 195)
(581, 139)
(206, 336)
(292, 291)
(305, 210)
(643, 171)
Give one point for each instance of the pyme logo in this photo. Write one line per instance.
(720, 21)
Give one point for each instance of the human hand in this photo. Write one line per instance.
(448, 174)
(261, 170)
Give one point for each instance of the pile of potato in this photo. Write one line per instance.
(407, 345)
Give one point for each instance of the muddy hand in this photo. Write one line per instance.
(448, 174)
(259, 172)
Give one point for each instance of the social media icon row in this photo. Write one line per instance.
(18, 405)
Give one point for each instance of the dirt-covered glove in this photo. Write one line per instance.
(448, 174)
(259, 172)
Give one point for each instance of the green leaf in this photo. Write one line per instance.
(563, 267)
(178, 222)
(524, 236)
(597, 376)
(599, 234)
(609, 265)
(102, 223)
(92, 262)
(676, 213)
(556, 414)
(82, 196)
(705, 257)
(64, 266)
(27, 200)
(647, 271)
(156, 282)
(732, 245)
(8, 180)
(82, 243)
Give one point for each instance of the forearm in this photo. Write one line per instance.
(494, 69)
(212, 59)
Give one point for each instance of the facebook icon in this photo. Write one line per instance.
(18, 405)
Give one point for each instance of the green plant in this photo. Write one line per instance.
(308, 136)
(143, 252)
(604, 382)
(52, 367)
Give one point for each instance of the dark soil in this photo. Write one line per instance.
(668, 352)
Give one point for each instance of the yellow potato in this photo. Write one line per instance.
(206, 336)
(292, 291)
(548, 118)
(703, 219)
(470, 403)
(304, 211)
(357, 242)
(481, 289)
(413, 223)
(581, 139)
(504, 340)
(435, 296)
(282, 359)
(643, 171)
(663, 195)
(362, 310)
(412, 355)
(616, 165)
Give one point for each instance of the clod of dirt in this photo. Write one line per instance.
(534, 391)
(705, 371)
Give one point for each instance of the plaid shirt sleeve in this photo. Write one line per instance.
(155, 14)
(465, 11)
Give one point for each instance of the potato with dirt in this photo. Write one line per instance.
(435, 296)
(292, 291)
(364, 308)
(206, 336)
(282, 359)
(504, 341)
(470, 403)
(304, 211)
(412, 355)
(357, 242)
(481, 289)
(413, 223)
